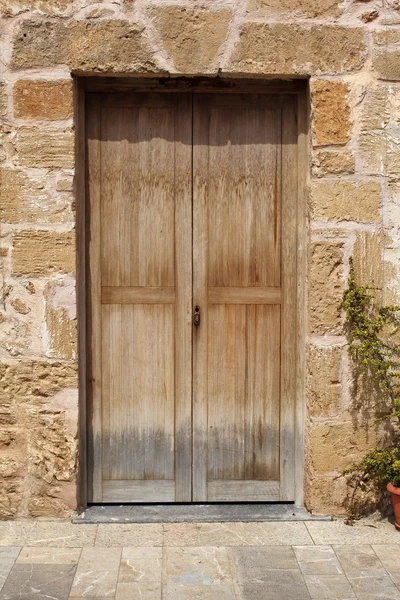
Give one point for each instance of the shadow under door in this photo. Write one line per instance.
(192, 203)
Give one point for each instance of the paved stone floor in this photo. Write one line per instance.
(58, 560)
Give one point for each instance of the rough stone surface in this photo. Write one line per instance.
(324, 366)
(387, 64)
(331, 124)
(316, 50)
(46, 148)
(10, 8)
(27, 200)
(326, 163)
(367, 257)
(192, 37)
(39, 44)
(327, 495)
(61, 319)
(306, 8)
(109, 46)
(43, 99)
(325, 287)
(336, 446)
(35, 381)
(43, 253)
(346, 201)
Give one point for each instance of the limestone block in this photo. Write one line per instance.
(10, 467)
(192, 37)
(43, 253)
(326, 495)
(10, 498)
(60, 314)
(64, 185)
(346, 201)
(8, 414)
(304, 8)
(11, 8)
(336, 446)
(379, 151)
(109, 46)
(368, 260)
(35, 381)
(387, 64)
(3, 100)
(39, 44)
(325, 287)
(35, 99)
(44, 503)
(386, 36)
(331, 113)
(46, 148)
(52, 450)
(324, 380)
(26, 200)
(326, 163)
(278, 48)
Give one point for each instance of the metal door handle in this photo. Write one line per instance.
(196, 316)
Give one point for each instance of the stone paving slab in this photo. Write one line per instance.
(236, 561)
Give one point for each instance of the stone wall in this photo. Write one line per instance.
(350, 51)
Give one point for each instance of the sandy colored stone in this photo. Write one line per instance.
(43, 253)
(304, 8)
(370, 16)
(368, 260)
(39, 44)
(35, 99)
(7, 414)
(10, 8)
(9, 467)
(325, 287)
(326, 496)
(192, 37)
(386, 64)
(52, 450)
(331, 113)
(324, 380)
(278, 48)
(60, 315)
(326, 163)
(20, 306)
(375, 108)
(385, 36)
(346, 201)
(64, 185)
(109, 46)
(379, 152)
(35, 381)
(336, 446)
(42, 505)
(10, 498)
(46, 148)
(3, 100)
(26, 200)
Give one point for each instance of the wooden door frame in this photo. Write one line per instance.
(82, 85)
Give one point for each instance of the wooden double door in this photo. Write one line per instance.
(192, 296)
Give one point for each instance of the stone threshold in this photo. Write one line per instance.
(196, 513)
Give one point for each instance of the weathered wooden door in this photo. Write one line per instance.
(192, 296)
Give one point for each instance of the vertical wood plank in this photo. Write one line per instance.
(183, 308)
(289, 295)
(200, 257)
(93, 117)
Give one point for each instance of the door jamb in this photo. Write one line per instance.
(111, 84)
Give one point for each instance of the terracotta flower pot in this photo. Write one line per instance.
(396, 502)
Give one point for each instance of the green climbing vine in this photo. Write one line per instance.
(372, 335)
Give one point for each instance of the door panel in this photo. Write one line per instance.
(192, 202)
(238, 203)
(139, 153)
